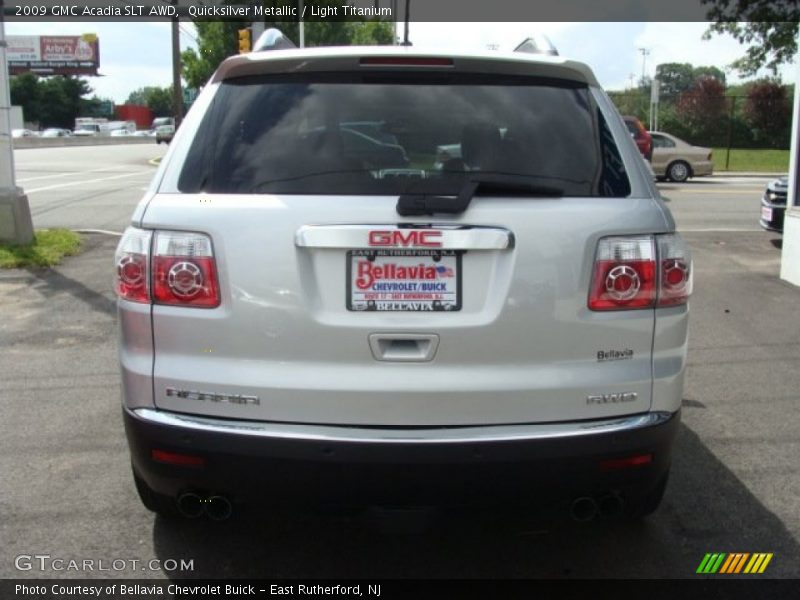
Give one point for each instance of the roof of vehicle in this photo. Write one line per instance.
(340, 58)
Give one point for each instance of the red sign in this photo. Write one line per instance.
(54, 55)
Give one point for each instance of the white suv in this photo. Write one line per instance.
(317, 306)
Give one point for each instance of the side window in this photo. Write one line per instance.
(659, 141)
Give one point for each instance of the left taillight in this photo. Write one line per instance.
(167, 267)
(132, 261)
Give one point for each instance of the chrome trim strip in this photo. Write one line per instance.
(375, 435)
(453, 237)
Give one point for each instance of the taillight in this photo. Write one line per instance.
(624, 274)
(180, 270)
(132, 264)
(640, 272)
(675, 266)
(184, 270)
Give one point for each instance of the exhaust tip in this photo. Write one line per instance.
(219, 508)
(583, 509)
(190, 505)
(610, 505)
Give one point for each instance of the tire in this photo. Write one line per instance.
(153, 501)
(679, 171)
(649, 503)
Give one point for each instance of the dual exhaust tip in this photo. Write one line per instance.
(586, 508)
(192, 506)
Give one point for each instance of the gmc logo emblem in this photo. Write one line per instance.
(411, 237)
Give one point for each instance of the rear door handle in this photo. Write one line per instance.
(404, 347)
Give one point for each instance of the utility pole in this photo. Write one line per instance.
(645, 53)
(408, 18)
(15, 213)
(177, 94)
(302, 26)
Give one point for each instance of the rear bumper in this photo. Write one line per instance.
(288, 464)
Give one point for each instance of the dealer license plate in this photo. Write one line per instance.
(404, 280)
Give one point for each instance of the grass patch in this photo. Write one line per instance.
(772, 161)
(48, 248)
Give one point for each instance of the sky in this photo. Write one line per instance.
(136, 54)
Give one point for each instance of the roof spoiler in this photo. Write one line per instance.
(537, 44)
(273, 39)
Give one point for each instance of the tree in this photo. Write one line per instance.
(674, 78)
(50, 101)
(768, 112)
(714, 72)
(677, 78)
(217, 40)
(703, 110)
(770, 27)
(157, 99)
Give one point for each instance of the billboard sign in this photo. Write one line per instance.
(53, 54)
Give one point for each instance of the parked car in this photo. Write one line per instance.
(120, 133)
(21, 133)
(677, 160)
(640, 135)
(300, 325)
(773, 204)
(56, 132)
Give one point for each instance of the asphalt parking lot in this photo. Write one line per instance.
(735, 486)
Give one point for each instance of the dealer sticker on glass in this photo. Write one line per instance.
(404, 280)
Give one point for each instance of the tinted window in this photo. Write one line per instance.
(376, 134)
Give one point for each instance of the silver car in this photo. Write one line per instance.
(304, 324)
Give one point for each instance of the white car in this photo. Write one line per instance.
(55, 132)
(21, 133)
(305, 324)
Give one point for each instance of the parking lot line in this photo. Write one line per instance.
(85, 181)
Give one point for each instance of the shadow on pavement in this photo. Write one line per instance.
(706, 509)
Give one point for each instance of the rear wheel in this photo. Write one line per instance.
(679, 171)
(153, 501)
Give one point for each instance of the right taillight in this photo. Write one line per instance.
(675, 270)
(635, 272)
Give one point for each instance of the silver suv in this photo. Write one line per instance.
(381, 276)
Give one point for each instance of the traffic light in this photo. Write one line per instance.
(244, 41)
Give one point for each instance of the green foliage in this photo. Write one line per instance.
(157, 99)
(50, 101)
(768, 27)
(217, 40)
(677, 78)
(771, 161)
(48, 248)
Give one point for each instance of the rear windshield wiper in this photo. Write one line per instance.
(426, 204)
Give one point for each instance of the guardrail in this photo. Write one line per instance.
(39, 142)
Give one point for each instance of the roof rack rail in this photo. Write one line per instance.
(537, 44)
(272, 39)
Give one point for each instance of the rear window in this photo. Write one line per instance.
(394, 133)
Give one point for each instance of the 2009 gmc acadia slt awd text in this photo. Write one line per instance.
(384, 276)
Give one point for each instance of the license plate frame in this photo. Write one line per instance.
(406, 300)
